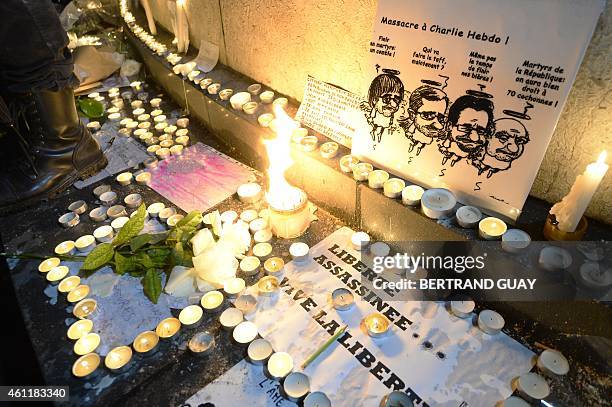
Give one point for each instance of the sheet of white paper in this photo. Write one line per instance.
(208, 56)
(463, 97)
(476, 368)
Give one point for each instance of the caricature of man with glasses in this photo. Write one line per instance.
(384, 98)
(426, 117)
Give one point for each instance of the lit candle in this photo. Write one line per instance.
(533, 386)
(145, 342)
(211, 302)
(393, 187)
(68, 284)
(201, 343)
(87, 343)
(317, 399)
(182, 30)
(268, 286)
(468, 216)
(79, 329)
(66, 248)
(249, 215)
(490, 322)
(57, 273)
(191, 315)
(280, 365)
(234, 286)
(438, 203)
(155, 208)
(296, 385)
(250, 265)
(491, 228)
(411, 195)
(570, 210)
(514, 401)
(84, 308)
(299, 252)
(118, 357)
(361, 171)
(246, 303)
(174, 219)
(85, 244)
(125, 178)
(262, 250)
(230, 318)
(275, 267)
(462, 309)
(377, 325)
(347, 163)
(86, 365)
(342, 299)
(78, 293)
(245, 332)
(249, 193)
(104, 233)
(515, 240)
(360, 240)
(552, 362)
(46, 265)
(168, 327)
(329, 150)
(259, 351)
(377, 178)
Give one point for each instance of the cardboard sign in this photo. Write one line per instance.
(464, 97)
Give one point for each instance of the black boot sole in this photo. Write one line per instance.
(66, 183)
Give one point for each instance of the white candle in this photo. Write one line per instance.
(211, 301)
(191, 314)
(362, 171)
(296, 386)
(262, 236)
(570, 210)
(462, 309)
(249, 193)
(377, 325)
(514, 401)
(347, 163)
(245, 332)
(145, 342)
(259, 351)
(329, 149)
(274, 266)
(593, 275)
(360, 240)
(411, 195)
(234, 286)
(57, 273)
(490, 322)
(86, 364)
(246, 303)
(553, 258)
(380, 249)
(515, 240)
(230, 318)
(229, 216)
(66, 248)
(468, 216)
(491, 228)
(250, 265)
(248, 215)
(438, 203)
(377, 178)
(299, 252)
(280, 365)
(317, 399)
(87, 343)
(84, 308)
(262, 250)
(181, 26)
(393, 187)
(552, 362)
(268, 286)
(533, 385)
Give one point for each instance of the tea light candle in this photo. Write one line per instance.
(86, 365)
(234, 286)
(281, 102)
(229, 216)
(98, 214)
(142, 179)
(114, 117)
(94, 125)
(245, 332)
(280, 365)
(393, 187)
(150, 162)
(155, 208)
(108, 198)
(155, 102)
(360, 240)
(258, 224)
(299, 252)
(165, 214)
(145, 342)
(259, 351)
(46, 265)
(214, 88)
(317, 399)
(78, 207)
(309, 143)
(174, 219)
(69, 220)
(262, 250)
(78, 293)
(380, 249)
(153, 149)
(377, 178)
(250, 265)
(100, 189)
(118, 103)
(201, 343)
(377, 325)
(176, 150)
(168, 327)
(274, 266)
(515, 240)
(191, 314)
(133, 125)
(79, 329)
(125, 132)
(462, 309)
(104, 234)
(552, 362)
(66, 248)
(533, 386)
(68, 284)
(265, 119)
(119, 222)
(87, 343)
(468, 216)
(262, 236)
(166, 144)
(183, 122)
(347, 163)
(57, 273)
(248, 215)
(182, 140)
(396, 398)
(438, 203)
(211, 301)
(268, 286)
(553, 258)
(170, 130)
(250, 107)
(249, 193)
(143, 117)
(246, 303)
(296, 385)
(361, 171)
(266, 96)
(118, 357)
(116, 211)
(342, 299)
(84, 308)
(254, 89)
(490, 322)
(134, 200)
(491, 228)
(514, 401)
(230, 318)
(163, 153)
(138, 111)
(125, 178)
(160, 126)
(329, 150)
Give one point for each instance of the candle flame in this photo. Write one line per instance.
(281, 195)
(602, 157)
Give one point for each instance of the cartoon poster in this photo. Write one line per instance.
(466, 94)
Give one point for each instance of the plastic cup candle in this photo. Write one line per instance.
(329, 150)
(78, 293)
(145, 342)
(462, 309)
(411, 195)
(393, 187)
(230, 318)
(296, 385)
(262, 250)
(377, 325)
(259, 351)
(347, 163)
(490, 322)
(84, 308)
(274, 266)
(46, 265)
(468, 216)
(66, 248)
(362, 171)
(515, 240)
(118, 357)
(360, 240)
(377, 178)
(87, 343)
(299, 252)
(249, 193)
(168, 327)
(262, 236)
(79, 329)
(234, 286)
(68, 284)
(211, 301)
(491, 228)
(268, 286)
(246, 303)
(191, 315)
(57, 273)
(342, 299)
(280, 365)
(86, 365)
(533, 386)
(438, 203)
(552, 362)
(250, 265)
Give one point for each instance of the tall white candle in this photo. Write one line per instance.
(569, 211)
(181, 26)
(149, 13)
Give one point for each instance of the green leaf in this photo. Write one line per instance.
(123, 264)
(151, 283)
(158, 237)
(177, 254)
(144, 261)
(132, 228)
(99, 256)
(191, 221)
(91, 108)
(139, 241)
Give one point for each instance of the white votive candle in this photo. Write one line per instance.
(438, 203)
(262, 250)
(211, 301)
(78, 293)
(274, 266)
(411, 195)
(66, 248)
(268, 286)
(246, 303)
(84, 308)
(491, 228)
(230, 318)
(234, 286)
(145, 342)
(280, 365)
(361, 171)
(490, 322)
(250, 265)
(201, 343)
(191, 315)
(468, 216)
(553, 258)
(262, 236)
(87, 343)
(245, 332)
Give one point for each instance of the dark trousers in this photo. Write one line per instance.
(33, 48)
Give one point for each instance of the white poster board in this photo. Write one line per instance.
(466, 94)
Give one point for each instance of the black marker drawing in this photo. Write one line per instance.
(384, 97)
(506, 144)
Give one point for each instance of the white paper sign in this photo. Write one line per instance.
(208, 56)
(329, 110)
(462, 365)
(466, 94)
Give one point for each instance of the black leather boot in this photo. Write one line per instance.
(56, 149)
